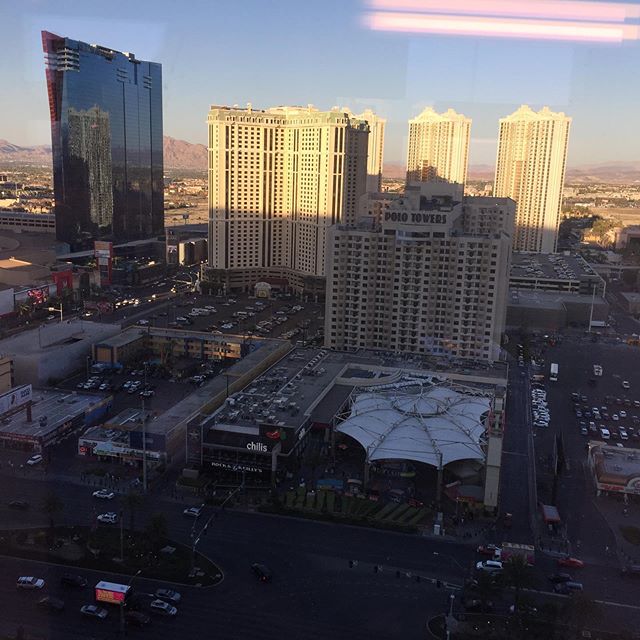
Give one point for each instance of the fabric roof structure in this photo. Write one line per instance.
(431, 422)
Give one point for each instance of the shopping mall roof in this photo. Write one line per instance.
(422, 419)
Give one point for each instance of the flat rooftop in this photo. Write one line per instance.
(56, 406)
(56, 336)
(129, 418)
(196, 401)
(615, 465)
(315, 383)
(551, 266)
(550, 300)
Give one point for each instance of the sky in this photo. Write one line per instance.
(273, 52)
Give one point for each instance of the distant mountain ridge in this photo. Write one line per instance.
(178, 154)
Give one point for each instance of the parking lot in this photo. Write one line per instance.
(596, 397)
(289, 318)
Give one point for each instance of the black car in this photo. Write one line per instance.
(51, 604)
(137, 619)
(556, 578)
(19, 504)
(631, 571)
(73, 580)
(262, 572)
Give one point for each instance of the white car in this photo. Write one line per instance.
(227, 326)
(625, 384)
(93, 612)
(623, 413)
(168, 595)
(489, 566)
(162, 607)
(193, 512)
(33, 460)
(103, 494)
(108, 518)
(614, 417)
(29, 582)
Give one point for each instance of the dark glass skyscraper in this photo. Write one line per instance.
(106, 132)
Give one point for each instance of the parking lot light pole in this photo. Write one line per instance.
(122, 625)
(57, 309)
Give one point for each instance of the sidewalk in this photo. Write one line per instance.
(613, 512)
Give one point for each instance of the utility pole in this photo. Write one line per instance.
(144, 436)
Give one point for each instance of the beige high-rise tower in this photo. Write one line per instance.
(532, 154)
(438, 147)
(375, 150)
(278, 179)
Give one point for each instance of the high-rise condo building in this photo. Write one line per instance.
(425, 272)
(532, 154)
(278, 179)
(438, 147)
(106, 134)
(375, 151)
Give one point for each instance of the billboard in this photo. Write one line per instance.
(111, 592)
(15, 398)
(103, 253)
(34, 296)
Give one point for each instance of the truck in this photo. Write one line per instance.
(512, 549)
(112, 593)
(553, 372)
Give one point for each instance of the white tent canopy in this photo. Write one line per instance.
(434, 424)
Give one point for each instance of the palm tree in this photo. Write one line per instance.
(132, 501)
(486, 588)
(156, 531)
(582, 611)
(517, 574)
(51, 505)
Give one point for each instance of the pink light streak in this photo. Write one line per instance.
(501, 27)
(549, 9)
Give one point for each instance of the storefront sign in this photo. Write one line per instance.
(232, 466)
(419, 218)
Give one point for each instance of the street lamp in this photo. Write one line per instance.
(133, 577)
(57, 309)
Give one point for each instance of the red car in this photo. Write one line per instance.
(570, 562)
(488, 549)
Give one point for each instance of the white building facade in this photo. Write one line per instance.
(438, 147)
(530, 169)
(427, 273)
(278, 178)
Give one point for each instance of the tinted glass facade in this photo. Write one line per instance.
(106, 130)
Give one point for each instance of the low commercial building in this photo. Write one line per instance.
(261, 430)
(52, 415)
(550, 311)
(186, 244)
(614, 470)
(24, 221)
(53, 351)
(7, 380)
(171, 345)
(631, 301)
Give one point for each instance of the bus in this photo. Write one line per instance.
(553, 373)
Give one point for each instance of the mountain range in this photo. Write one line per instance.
(179, 154)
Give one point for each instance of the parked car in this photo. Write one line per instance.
(570, 562)
(566, 588)
(193, 512)
(163, 608)
(489, 566)
(560, 577)
(33, 460)
(488, 549)
(92, 611)
(29, 582)
(19, 504)
(103, 494)
(51, 604)
(137, 619)
(168, 594)
(73, 580)
(262, 572)
(108, 518)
